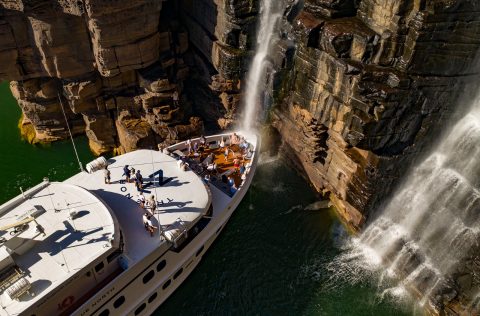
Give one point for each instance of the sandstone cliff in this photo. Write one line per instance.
(367, 82)
(113, 66)
(362, 91)
(360, 86)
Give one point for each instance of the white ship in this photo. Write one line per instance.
(80, 247)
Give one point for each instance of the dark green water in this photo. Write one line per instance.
(269, 260)
(24, 165)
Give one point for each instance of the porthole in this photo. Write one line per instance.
(140, 309)
(166, 284)
(177, 274)
(147, 277)
(99, 266)
(161, 265)
(119, 301)
(152, 297)
(199, 251)
(105, 312)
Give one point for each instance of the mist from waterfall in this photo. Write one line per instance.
(271, 12)
(431, 225)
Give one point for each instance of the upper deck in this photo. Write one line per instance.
(60, 232)
(47, 236)
(180, 196)
(59, 229)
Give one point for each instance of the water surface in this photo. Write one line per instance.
(271, 259)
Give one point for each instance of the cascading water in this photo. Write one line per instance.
(431, 226)
(271, 13)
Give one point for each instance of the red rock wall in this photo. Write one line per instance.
(107, 62)
(367, 85)
(360, 85)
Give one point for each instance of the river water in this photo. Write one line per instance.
(271, 259)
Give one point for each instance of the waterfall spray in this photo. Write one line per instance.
(270, 15)
(431, 227)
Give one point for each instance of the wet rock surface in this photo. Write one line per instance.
(360, 87)
(369, 85)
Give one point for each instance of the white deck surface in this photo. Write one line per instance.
(103, 209)
(67, 245)
(71, 245)
(184, 196)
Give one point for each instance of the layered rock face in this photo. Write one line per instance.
(223, 34)
(358, 84)
(112, 67)
(362, 88)
(364, 85)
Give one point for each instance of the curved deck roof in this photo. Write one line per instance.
(71, 228)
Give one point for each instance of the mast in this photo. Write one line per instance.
(160, 231)
(70, 133)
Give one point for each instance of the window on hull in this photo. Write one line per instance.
(177, 274)
(161, 265)
(119, 302)
(140, 309)
(147, 277)
(166, 284)
(106, 312)
(152, 297)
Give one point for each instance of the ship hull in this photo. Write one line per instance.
(142, 289)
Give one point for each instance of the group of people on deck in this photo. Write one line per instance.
(133, 176)
(148, 205)
(196, 147)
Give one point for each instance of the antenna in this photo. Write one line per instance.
(70, 132)
(160, 230)
(50, 194)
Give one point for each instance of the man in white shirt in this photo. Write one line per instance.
(147, 222)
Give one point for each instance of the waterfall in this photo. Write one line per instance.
(432, 224)
(271, 12)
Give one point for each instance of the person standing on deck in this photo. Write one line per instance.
(147, 223)
(203, 140)
(141, 200)
(126, 173)
(236, 164)
(132, 173)
(106, 174)
(225, 153)
(234, 139)
(242, 168)
(152, 204)
(139, 180)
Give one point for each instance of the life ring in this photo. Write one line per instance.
(66, 302)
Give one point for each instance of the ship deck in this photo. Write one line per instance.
(63, 245)
(225, 166)
(102, 211)
(179, 195)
